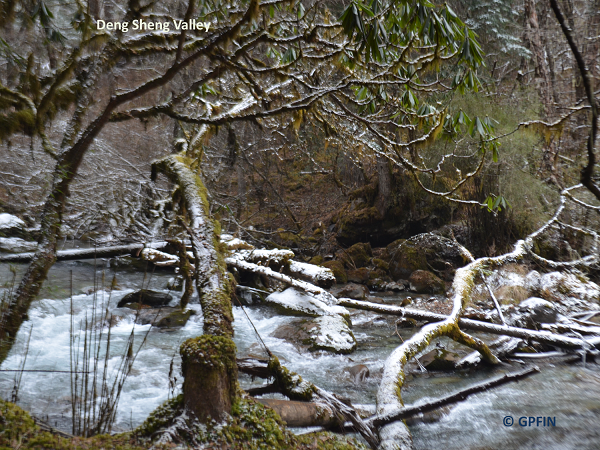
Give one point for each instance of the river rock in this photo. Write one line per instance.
(359, 372)
(147, 297)
(425, 282)
(424, 252)
(351, 290)
(16, 245)
(357, 256)
(165, 317)
(568, 288)
(11, 226)
(295, 302)
(440, 359)
(360, 276)
(329, 333)
(539, 310)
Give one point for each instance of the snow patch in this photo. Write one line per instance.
(8, 221)
(295, 300)
(332, 333)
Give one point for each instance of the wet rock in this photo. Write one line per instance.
(359, 372)
(174, 318)
(175, 283)
(16, 245)
(165, 317)
(330, 333)
(147, 297)
(357, 256)
(425, 282)
(12, 226)
(439, 359)
(539, 310)
(406, 322)
(424, 252)
(360, 276)
(295, 302)
(351, 290)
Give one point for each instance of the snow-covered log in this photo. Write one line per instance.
(208, 361)
(543, 337)
(321, 276)
(320, 293)
(281, 261)
(86, 253)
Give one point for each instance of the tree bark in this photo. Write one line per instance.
(208, 362)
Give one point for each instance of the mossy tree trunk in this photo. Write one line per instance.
(208, 362)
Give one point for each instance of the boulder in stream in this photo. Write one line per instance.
(11, 226)
(351, 290)
(295, 302)
(439, 359)
(539, 310)
(329, 333)
(425, 282)
(359, 372)
(147, 297)
(16, 245)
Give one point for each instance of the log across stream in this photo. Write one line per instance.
(571, 394)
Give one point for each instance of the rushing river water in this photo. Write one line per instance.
(569, 394)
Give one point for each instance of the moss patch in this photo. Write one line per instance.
(211, 351)
(337, 267)
(252, 426)
(18, 430)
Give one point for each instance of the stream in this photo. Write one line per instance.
(568, 393)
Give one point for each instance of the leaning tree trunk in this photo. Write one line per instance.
(208, 362)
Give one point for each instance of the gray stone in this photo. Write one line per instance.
(359, 372)
(11, 226)
(147, 297)
(540, 310)
(16, 245)
(351, 290)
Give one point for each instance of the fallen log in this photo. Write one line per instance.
(88, 253)
(320, 293)
(543, 337)
(302, 414)
(410, 411)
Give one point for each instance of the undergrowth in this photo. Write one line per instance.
(252, 427)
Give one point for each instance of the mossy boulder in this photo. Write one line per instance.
(410, 210)
(424, 282)
(351, 290)
(357, 256)
(360, 276)
(174, 319)
(339, 272)
(424, 252)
